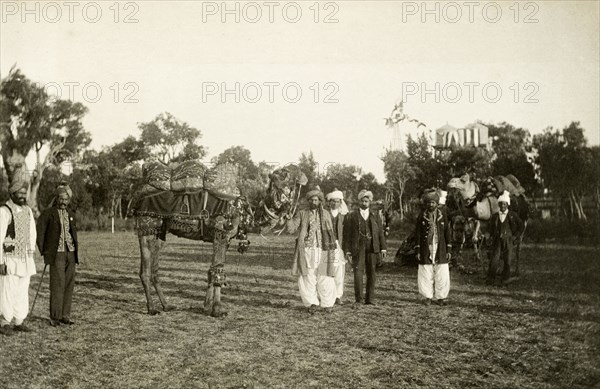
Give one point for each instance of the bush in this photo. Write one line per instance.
(562, 230)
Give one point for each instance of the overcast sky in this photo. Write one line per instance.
(533, 64)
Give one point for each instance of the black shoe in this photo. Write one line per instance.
(427, 302)
(441, 302)
(369, 303)
(312, 309)
(68, 322)
(22, 328)
(338, 302)
(6, 331)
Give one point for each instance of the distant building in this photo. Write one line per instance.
(473, 135)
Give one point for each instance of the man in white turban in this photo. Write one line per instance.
(505, 229)
(17, 246)
(364, 240)
(338, 210)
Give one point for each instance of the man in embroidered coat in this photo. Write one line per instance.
(17, 247)
(314, 259)
(432, 233)
(506, 228)
(338, 210)
(364, 240)
(57, 241)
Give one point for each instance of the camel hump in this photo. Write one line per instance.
(503, 183)
(224, 180)
(187, 176)
(156, 176)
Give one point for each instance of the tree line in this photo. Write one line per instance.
(105, 181)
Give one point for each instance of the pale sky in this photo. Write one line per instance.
(177, 51)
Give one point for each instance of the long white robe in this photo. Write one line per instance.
(14, 287)
(316, 288)
(340, 271)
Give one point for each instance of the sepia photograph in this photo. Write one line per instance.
(299, 194)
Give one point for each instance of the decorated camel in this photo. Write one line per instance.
(190, 201)
(471, 205)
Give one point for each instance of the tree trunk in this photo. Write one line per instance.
(578, 201)
(128, 207)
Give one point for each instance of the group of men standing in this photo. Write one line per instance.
(55, 234)
(328, 238)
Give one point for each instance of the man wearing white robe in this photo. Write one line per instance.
(17, 247)
(314, 261)
(339, 210)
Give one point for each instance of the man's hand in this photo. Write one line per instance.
(418, 256)
(383, 253)
(349, 259)
(2, 269)
(448, 255)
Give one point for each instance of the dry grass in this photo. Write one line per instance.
(542, 332)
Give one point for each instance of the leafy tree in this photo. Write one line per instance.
(427, 169)
(240, 156)
(30, 121)
(567, 165)
(309, 166)
(342, 177)
(398, 172)
(510, 146)
(170, 139)
(460, 160)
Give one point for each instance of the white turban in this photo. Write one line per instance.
(338, 195)
(443, 195)
(365, 193)
(504, 197)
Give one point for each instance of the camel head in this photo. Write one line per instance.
(283, 195)
(464, 185)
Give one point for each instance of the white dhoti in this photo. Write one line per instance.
(14, 298)
(434, 281)
(340, 271)
(14, 287)
(316, 288)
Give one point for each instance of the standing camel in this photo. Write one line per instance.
(467, 200)
(192, 202)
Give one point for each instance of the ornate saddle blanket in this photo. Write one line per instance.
(184, 199)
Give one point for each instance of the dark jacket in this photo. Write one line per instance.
(339, 228)
(514, 221)
(421, 234)
(351, 232)
(48, 234)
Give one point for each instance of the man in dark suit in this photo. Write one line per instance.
(506, 228)
(57, 241)
(364, 239)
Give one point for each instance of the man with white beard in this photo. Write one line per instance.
(338, 209)
(17, 246)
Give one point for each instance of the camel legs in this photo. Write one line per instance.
(150, 249)
(216, 276)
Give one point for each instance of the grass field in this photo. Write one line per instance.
(541, 332)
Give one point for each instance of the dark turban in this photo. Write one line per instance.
(317, 193)
(430, 195)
